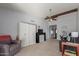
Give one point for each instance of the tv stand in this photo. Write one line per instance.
(38, 35)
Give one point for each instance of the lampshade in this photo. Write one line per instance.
(74, 34)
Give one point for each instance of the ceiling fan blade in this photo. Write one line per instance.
(46, 18)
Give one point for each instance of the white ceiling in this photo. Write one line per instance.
(41, 9)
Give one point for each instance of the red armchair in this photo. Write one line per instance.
(8, 46)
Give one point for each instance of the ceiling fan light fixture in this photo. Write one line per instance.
(51, 20)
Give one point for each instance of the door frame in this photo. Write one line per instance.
(51, 26)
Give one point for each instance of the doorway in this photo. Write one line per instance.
(53, 31)
(27, 34)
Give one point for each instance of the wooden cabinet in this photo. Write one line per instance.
(66, 52)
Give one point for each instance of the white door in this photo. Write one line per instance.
(32, 34)
(22, 34)
(27, 33)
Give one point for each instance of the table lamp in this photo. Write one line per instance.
(74, 35)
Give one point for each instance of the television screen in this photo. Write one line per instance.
(40, 30)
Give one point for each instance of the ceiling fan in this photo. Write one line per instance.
(50, 18)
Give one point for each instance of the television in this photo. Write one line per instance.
(40, 30)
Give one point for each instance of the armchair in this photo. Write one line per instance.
(9, 47)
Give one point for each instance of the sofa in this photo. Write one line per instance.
(9, 47)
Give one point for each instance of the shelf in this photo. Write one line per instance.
(69, 53)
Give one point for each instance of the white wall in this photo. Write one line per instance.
(78, 20)
(66, 22)
(9, 20)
